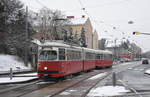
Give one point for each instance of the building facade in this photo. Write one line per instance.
(95, 40)
(78, 24)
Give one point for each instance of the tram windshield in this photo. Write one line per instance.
(48, 55)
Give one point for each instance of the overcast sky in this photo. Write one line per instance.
(105, 15)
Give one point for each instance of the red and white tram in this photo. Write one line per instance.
(57, 60)
(103, 59)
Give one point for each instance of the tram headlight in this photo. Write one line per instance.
(45, 68)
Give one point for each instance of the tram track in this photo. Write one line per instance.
(85, 94)
(24, 89)
(16, 86)
(117, 69)
(81, 82)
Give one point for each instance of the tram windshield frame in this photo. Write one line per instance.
(48, 55)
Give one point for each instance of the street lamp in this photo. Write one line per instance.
(137, 33)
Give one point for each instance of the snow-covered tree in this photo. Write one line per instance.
(83, 38)
(13, 36)
(75, 38)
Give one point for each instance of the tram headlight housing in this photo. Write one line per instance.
(45, 68)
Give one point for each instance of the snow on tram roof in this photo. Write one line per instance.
(89, 49)
(52, 43)
(59, 44)
(103, 51)
(108, 52)
(62, 44)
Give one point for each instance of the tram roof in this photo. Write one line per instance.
(107, 52)
(55, 44)
(58, 44)
(103, 51)
(62, 44)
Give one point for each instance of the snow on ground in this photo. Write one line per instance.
(9, 61)
(28, 74)
(108, 91)
(65, 93)
(15, 79)
(147, 71)
(98, 76)
(18, 79)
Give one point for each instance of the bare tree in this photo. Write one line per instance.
(51, 22)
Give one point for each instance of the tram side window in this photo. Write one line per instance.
(61, 54)
(68, 55)
(78, 55)
(48, 55)
(108, 56)
(73, 55)
(87, 56)
(101, 56)
(98, 56)
(90, 56)
(105, 57)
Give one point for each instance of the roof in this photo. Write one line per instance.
(36, 41)
(78, 21)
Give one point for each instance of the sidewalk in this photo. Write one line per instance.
(18, 78)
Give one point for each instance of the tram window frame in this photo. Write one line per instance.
(105, 57)
(46, 55)
(98, 56)
(74, 55)
(89, 56)
(69, 57)
(101, 56)
(79, 55)
(62, 55)
(110, 56)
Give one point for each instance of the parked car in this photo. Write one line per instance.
(145, 61)
(124, 60)
(137, 59)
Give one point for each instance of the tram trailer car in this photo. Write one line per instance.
(58, 60)
(88, 59)
(103, 59)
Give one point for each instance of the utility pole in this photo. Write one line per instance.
(26, 43)
(45, 27)
(115, 50)
(92, 41)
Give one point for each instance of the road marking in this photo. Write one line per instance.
(130, 88)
